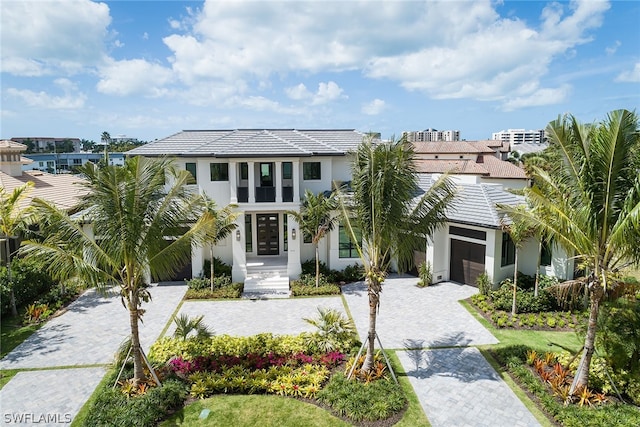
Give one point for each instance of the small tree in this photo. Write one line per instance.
(14, 220)
(316, 219)
(223, 224)
(518, 231)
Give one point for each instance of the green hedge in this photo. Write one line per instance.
(30, 282)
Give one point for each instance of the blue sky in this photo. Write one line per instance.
(148, 69)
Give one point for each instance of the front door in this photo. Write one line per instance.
(268, 234)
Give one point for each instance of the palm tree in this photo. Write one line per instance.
(316, 219)
(14, 219)
(590, 204)
(386, 209)
(144, 221)
(224, 222)
(519, 231)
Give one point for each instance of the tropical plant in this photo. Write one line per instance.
(425, 274)
(484, 283)
(144, 220)
(15, 217)
(590, 205)
(186, 325)
(224, 222)
(391, 213)
(316, 219)
(519, 231)
(334, 331)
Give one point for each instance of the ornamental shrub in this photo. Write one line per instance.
(30, 282)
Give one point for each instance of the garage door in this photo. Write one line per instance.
(467, 261)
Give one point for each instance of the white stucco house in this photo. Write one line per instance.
(265, 172)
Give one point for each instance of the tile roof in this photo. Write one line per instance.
(253, 143)
(451, 147)
(489, 166)
(475, 204)
(63, 190)
(12, 145)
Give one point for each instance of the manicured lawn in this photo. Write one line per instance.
(254, 410)
(13, 333)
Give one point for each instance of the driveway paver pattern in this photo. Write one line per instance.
(88, 333)
(458, 387)
(413, 317)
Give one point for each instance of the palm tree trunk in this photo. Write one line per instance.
(535, 287)
(374, 301)
(582, 375)
(515, 284)
(211, 267)
(138, 371)
(317, 265)
(12, 295)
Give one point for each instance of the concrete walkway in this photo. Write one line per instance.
(455, 386)
(87, 334)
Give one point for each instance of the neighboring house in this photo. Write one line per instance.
(39, 143)
(61, 190)
(66, 162)
(471, 162)
(265, 172)
(473, 241)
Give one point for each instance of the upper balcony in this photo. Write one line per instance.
(266, 182)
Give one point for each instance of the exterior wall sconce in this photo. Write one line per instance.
(238, 235)
(293, 233)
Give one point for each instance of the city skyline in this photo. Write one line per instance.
(149, 69)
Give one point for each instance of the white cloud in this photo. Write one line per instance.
(298, 92)
(374, 107)
(328, 92)
(539, 97)
(610, 50)
(40, 38)
(630, 76)
(474, 53)
(72, 99)
(135, 76)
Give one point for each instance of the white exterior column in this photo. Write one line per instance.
(252, 182)
(294, 267)
(239, 266)
(197, 260)
(278, 182)
(296, 181)
(233, 182)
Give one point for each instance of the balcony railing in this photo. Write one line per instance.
(265, 194)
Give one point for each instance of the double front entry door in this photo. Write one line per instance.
(268, 237)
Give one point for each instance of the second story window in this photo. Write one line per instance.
(191, 167)
(311, 171)
(287, 170)
(219, 171)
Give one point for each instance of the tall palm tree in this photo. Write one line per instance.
(224, 222)
(14, 220)
(394, 220)
(590, 204)
(144, 221)
(316, 219)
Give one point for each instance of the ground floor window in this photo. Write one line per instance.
(248, 245)
(508, 251)
(347, 248)
(285, 233)
(545, 254)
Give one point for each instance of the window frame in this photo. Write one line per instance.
(349, 246)
(312, 171)
(219, 172)
(194, 172)
(508, 255)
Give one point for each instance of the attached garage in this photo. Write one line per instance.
(467, 261)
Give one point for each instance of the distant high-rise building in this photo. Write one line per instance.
(520, 136)
(430, 135)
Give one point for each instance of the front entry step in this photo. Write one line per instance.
(267, 283)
